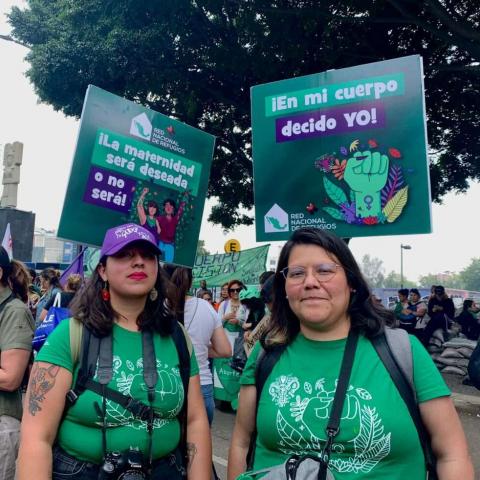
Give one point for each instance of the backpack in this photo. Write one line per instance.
(87, 348)
(395, 351)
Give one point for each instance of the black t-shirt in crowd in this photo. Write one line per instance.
(65, 299)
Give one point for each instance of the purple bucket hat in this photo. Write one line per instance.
(118, 237)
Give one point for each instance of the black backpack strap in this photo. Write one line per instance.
(93, 348)
(180, 341)
(266, 360)
(380, 344)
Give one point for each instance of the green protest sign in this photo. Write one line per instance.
(133, 164)
(217, 269)
(343, 150)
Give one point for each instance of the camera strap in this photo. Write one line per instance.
(101, 348)
(333, 426)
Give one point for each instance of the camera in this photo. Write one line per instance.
(127, 465)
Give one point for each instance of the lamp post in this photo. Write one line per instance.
(402, 248)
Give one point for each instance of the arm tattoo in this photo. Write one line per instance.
(191, 452)
(41, 381)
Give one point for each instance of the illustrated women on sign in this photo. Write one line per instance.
(168, 226)
(149, 219)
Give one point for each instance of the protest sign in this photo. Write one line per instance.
(217, 269)
(343, 150)
(133, 164)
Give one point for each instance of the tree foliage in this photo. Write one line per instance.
(393, 280)
(197, 59)
(471, 275)
(201, 250)
(373, 271)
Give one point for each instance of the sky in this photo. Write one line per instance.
(49, 140)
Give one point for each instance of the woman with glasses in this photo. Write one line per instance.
(233, 316)
(322, 304)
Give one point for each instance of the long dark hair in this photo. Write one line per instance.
(52, 276)
(97, 314)
(182, 279)
(365, 315)
(17, 277)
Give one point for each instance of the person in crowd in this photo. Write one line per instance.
(34, 292)
(148, 217)
(124, 302)
(266, 294)
(416, 305)
(320, 300)
(223, 296)
(205, 330)
(168, 228)
(33, 281)
(468, 320)
(73, 284)
(202, 289)
(232, 315)
(16, 334)
(208, 297)
(249, 298)
(405, 318)
(264, 277)
(441, 311)
(50, 286)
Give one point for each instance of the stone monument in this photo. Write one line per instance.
(21, 223)
(12, 159)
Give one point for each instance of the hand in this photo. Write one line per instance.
(229, 316)
(366, 174)
(246, 326)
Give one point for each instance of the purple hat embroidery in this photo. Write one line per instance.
(119, 237)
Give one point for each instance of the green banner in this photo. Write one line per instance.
(246, 266)
(133, 164)
(351, 148)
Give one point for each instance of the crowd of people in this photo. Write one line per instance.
(422, 317)
(127, 386)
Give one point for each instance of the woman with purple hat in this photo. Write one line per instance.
(125, 399)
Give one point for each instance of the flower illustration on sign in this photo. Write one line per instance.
(365, 188)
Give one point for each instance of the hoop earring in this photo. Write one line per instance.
(153, 295)
(105, 293)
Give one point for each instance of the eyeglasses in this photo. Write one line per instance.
(234, 290)
(323, 272)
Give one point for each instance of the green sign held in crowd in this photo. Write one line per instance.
(246, 266)
(133, 164)
(350, 146)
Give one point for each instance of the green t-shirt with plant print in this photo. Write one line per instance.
(80, 434)
(377, 438)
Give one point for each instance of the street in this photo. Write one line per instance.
(467, 402)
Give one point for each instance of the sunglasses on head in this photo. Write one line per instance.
(235, 290)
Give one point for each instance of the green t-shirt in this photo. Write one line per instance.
(377, 438)
(80, 433)
(16, 332)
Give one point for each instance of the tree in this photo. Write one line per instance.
(372, 269)
(196, 61)
(201, 250)
(471, 275)
(451, 281)
(393, 280)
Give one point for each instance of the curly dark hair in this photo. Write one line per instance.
(366, 316)
(98, 315)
